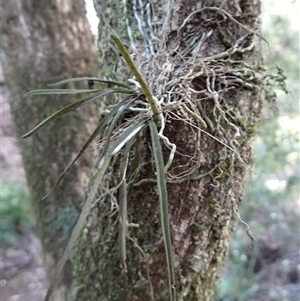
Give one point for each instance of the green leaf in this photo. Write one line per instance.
(71, 107)
(103, 123)
(163, 205)
(123, 194)
(79, 224)
(81, 151)
(130, 132)
(138, 76)
(108, 134)
(96, 79)
(60, 91)
(113, 148)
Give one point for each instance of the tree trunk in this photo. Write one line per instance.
(44, 42)
(206, 54)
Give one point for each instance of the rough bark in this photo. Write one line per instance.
(202, 208)
(44, 42)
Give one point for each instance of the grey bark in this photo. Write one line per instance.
(203, 207)
(44, 42)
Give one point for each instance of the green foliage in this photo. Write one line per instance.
(16, 216)
(276, 164)
(275, 185)
(163, 204)
(282, 32)
(137, 74)
(113, 139)
(93, 96)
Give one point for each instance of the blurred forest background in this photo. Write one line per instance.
(267, 270)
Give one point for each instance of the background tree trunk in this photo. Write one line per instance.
(44, 42)
(219, 38)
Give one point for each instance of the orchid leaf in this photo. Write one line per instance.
(137, 74)
(71, 107)
(163, 205)
(114, 147)
(123, 194)
(61, 91)
(79, 224)
(95, 79)
(103, 123)
(113, 123)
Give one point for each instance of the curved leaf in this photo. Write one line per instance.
(96, 79)
(79, 224)
(163, 205)
(60, 91)
(138, 75)
(128, 133)
(123, 194)
(113, 123)
(116, 144)
(103, 123)
(71, 107)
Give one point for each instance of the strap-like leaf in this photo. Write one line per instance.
(103, 123)
(71, 107)
(129, 133)
(163, 205)
(123, 193)
(96, 79)
(113, 123)
(79, 224)
(137, 74)
(114, 146)
(61, 91)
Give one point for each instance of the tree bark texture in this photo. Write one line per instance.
(217, 45)
(44, 42)
(205, 54)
